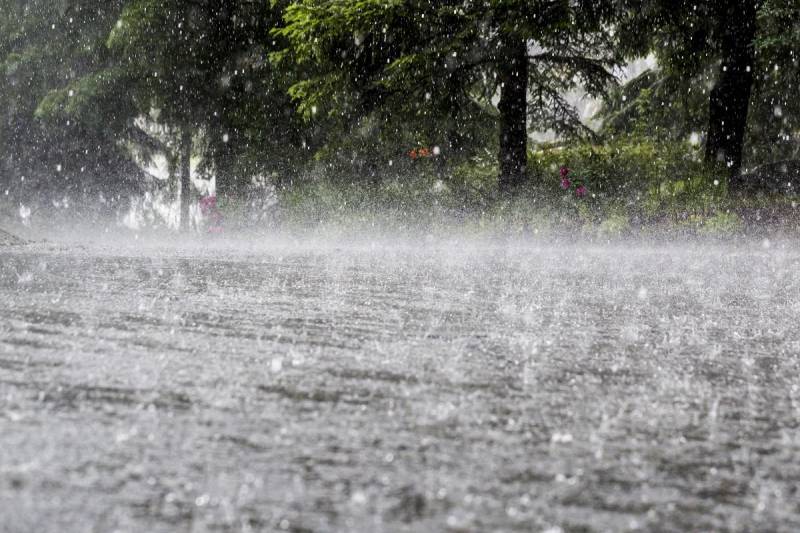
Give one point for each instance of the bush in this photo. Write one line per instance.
(647, 179)
(632, 184)
(722, 223)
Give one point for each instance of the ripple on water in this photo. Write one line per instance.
(517, 389)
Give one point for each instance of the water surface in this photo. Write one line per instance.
(451, 386)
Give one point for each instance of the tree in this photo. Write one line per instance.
(729, 101)
(736, 47)
(160, 45)
(656, 105)
(373, 55)
(774, 130)
(203, 66)
(691, 41)
(44, 46)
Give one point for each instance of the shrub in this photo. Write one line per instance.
(649, 179)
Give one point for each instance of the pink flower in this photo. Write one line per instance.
(208, 204)
(564, 172)
(565, 183)
(580, 192)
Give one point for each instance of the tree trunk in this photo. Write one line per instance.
(730, 98)
(224, 25)
(513, 107)
(186, 177)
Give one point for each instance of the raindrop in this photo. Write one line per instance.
(561, 438)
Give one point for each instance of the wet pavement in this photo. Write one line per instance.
(453, 386)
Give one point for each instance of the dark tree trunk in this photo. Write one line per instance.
(186, 177)
(513, 106)
(227, 185)
(454, 136)
(730, 98)
(221, 14)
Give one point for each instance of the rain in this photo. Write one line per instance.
(399, 266)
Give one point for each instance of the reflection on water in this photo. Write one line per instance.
(515, 387)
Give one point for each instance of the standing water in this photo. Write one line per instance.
(381, 387)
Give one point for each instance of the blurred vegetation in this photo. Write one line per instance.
(634, 186)
(318, 112)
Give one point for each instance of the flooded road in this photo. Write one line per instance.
(449, 387)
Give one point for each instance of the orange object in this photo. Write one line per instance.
(416, 153)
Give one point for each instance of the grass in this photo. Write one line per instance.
(634, 188)
(426, 203)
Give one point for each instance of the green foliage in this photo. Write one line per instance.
(433, 66)
(774, 125)
(204, 66)
(402, 203)
(633, 184)
(474, 180)
(344, 90)
(685, 37)
(615, 224)
(649, 179)
(656, 105)
(84, 97)
(722, 223)
(698, 193)
(45, 155)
